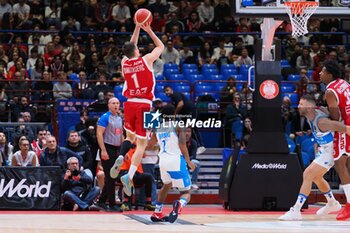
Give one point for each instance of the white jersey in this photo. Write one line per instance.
(168, 140)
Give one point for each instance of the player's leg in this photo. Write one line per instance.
(332, 204)
(141, 145)
(158, 215)
(129, 126)
(310, 173)
(344, 175)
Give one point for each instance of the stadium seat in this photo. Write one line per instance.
(209, 67)
(228, 67)
(243, 68)
(189, 67)
(291, 144)
(182, 88)
(118, 89)
(306, 159)
(169, 66)
(309, 73)
(160, 77)
(119, 95)
(162, 96)
(228, 72)
(188, 95)
(287, 87)
(284, 62)
(201, 87)
(307, 143)
(208, 72)
(217, 77)
(293, 77)
(189, 72)
(176, 77)
(239, 77)
(237, 129)
(169, 72)
(294, 97)
(195, 77)
(239, 87)
(159, 87)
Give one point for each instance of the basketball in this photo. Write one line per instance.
(143, 16)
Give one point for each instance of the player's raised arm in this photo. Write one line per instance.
(135, 35)
(157, 51)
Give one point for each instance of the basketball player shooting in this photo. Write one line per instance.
(139, 91)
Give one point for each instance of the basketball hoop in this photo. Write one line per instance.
(299, 13)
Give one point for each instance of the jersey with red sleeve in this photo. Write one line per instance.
(139, 79)
(341, 90)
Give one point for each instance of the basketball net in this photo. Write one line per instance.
(299, 13)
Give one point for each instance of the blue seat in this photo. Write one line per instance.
(189, 72)
(201, 87)
(189, 67)
(284, 62)
(307, 143)
(188, 95)
(176, 77)
(169, 72)
(237, 129)
(239, 77)
(182, 88)
(118, 89)
(294, 97)
(119, 95)
(195, 77)
(159, 87)
(243, 68)
(309, 73)
(286, 66)
(216, 77)
(218, 86)
(208, 66)
(168, 66)
(228, 72)
(287, 87)
(294, 77)
(239, 87)
(306, 159)
(162, 96)
(208, 72)
(291, 144)
(160, 77)
(228, 67)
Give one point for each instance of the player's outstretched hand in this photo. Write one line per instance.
(146, 27)
(191, 165)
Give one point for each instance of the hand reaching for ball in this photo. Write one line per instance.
(146, 27)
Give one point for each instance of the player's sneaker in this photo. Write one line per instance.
(344, 214)
(291, 215)
(114, 172)
(175, 212)
(329, 208)
(125, 207)
(127, 185)
(159, 217)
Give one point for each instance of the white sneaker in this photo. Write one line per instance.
(194, 187)
(114, 172)
(200, 150)
(329, 208)
(291, 215)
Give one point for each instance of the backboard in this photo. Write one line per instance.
(275, 8)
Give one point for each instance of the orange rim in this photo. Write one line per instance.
(298, 7)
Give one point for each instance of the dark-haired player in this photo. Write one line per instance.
(338, 101)
(139, 90)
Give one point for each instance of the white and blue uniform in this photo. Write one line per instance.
(172, 164)
(324, 157)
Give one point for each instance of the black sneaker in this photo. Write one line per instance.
(114, 208)
(175, 212)
(99, 206)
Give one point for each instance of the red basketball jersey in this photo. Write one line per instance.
(341, 90)
(139, 79)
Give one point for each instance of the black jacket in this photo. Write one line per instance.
(84, 152)
(77, 187)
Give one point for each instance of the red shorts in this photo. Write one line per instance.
(341, 145)
(133, 118)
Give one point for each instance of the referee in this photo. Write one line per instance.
(109, 138)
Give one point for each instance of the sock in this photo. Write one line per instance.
(300, 202)
(183, 202)
(346, 188)
(159, 207)
(125, 147)
(329, 196)
(132, 171)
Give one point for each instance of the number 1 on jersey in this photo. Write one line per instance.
(136, 82)
(164, 142)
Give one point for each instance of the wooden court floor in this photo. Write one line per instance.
(193, 219)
